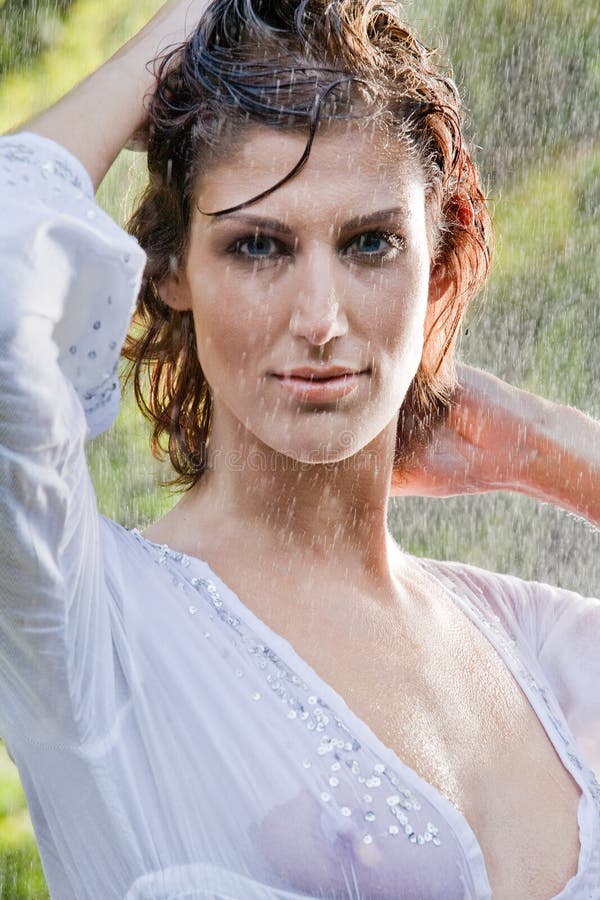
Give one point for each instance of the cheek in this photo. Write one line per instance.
(397, 311)
(234, 324)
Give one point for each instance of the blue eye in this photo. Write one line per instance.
(375, 245)
(258, 246)
(371, 242)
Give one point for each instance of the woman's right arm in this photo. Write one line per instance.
(69, 278)
(95, 120)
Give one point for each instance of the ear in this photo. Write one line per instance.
(174, 291)
(440, 283)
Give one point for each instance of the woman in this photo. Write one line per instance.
(263, 696)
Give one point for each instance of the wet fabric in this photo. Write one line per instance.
(170, 744)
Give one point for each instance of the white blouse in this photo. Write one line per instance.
(170, 744)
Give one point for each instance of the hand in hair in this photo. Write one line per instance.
(496, 437)
(106, 111)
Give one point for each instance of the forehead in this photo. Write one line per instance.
(350, 171)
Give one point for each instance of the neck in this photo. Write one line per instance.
(306, 511)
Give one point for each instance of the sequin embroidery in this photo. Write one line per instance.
(316, 715)
(21, 153)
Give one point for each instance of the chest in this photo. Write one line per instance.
(439, 695)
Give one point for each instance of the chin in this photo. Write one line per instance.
(325, 436)
(315, 456)
(312, 445)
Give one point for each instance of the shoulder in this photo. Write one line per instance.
(489, 583)
(539, 610)
(126, 556)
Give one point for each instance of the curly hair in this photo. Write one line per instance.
(292, 65)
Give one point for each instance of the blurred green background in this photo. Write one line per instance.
(530, 74)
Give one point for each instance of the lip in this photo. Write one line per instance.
(320, 385)
(318, 373)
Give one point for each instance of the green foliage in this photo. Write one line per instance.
(529, 72)
(21, 875)
(28, 27)
(543, 317)
(92, 32)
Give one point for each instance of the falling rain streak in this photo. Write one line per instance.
(529, 74)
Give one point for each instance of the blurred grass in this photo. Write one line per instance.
(537, 324)
(27, 28)
(91, 33)
(21, 876)
(544, 287)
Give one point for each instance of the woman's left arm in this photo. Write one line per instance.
(496, 437)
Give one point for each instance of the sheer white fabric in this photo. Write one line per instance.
(169, 743)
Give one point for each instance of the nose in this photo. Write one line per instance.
(317, 315)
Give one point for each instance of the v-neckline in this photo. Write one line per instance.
(454, 817)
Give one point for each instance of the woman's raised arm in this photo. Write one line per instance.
(98, 116)
(497, 437)
(69, 278)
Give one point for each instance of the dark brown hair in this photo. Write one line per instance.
(293, 65)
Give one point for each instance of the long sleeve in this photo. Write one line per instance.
(68, 281)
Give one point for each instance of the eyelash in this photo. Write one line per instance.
(396, 241)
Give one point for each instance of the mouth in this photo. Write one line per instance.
(321, 385)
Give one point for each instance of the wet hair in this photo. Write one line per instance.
(296, 65)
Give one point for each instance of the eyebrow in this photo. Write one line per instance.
(394, 213)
